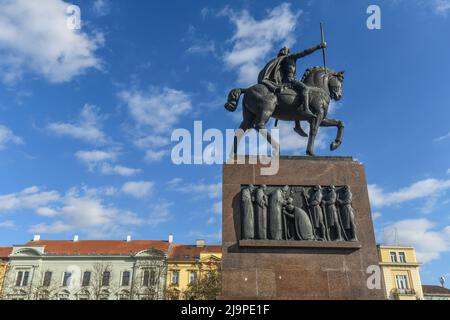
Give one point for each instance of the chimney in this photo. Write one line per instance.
(199, 243)
(75, 238)
(36, 238)
(128, 238)
(170, 238)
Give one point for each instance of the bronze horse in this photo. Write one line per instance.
(260, 104)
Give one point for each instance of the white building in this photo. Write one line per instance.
(89, 269)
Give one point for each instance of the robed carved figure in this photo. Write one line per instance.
(261, 203)
(347, 214)
(315, 202)
(248, 216)
(276, 202)
(334, 231)
(303, 229)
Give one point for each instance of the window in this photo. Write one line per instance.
(66, 279)
(126, 278)
(393, 257)
(19, 278)
(192, 276)
(146, 278)
(402, 282)
(402, 257)
(175, 277)
(86, 279)
(105, 279)
(22, 278)
(47, 279)
(153, 277)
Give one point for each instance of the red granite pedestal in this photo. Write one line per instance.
(255, 269)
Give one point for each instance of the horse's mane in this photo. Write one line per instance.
(311, 71)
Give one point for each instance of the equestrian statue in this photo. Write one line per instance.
(278, 94)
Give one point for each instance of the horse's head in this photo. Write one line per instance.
(329, 80)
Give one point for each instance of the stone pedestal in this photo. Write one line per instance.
(268, 269)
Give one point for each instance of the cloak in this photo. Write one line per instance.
(272, 71)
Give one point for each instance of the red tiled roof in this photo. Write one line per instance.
(428, 289)
(191, 252)
(99, 247)
(5, 252)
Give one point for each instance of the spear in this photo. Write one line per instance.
(324, 53)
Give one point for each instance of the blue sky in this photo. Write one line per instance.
(85, 119)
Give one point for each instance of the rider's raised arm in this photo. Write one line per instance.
(306, 52)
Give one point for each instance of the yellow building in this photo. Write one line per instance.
(4, 254)
(187, 263)
(400, 272)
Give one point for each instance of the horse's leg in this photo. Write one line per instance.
(299, 130)
(240, 132)
(261, 120)
(340, 132)
(314, 128)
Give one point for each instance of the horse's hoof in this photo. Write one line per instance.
(301, 132)
(309, 153)
(334, 146)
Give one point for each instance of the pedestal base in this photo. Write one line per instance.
(267, 269)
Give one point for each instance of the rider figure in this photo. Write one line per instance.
(282, 71)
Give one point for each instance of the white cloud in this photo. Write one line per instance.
(199, 44)
(85, 211)
(47, 212)
(7, 224)
(160, 213)
(155, 156)
(217, 208)
(442, 138)
(199, 190)
(254, 39)
(152, 141)
(155, 113)
(95, 156)
(202, 48)
(101, 7)
(158, 109)
(376, 215)
(34, 37)
(291, 141)
(88, 128)
(8, 137)
(422, 235)
(425, 188)
(29, 198)
(100, 160)
(138, 189)
(108, 169)
(441, 7)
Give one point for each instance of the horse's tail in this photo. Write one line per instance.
(233, 99)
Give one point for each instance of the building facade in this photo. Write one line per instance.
(400, 272)
(187, 263)
(431, 292)
(87, 270)
(4, 259)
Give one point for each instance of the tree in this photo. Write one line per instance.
(208, 285)
(149, 279)
(100, 281)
